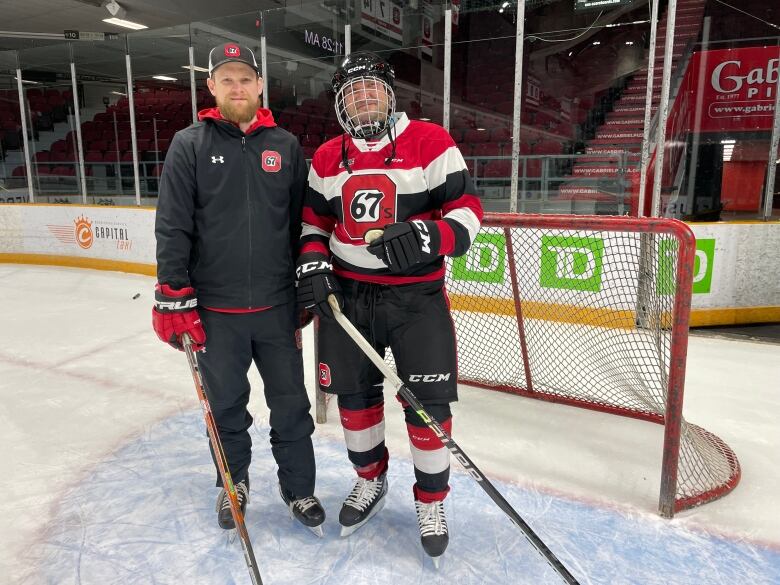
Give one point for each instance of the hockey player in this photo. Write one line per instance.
(228, 227)
(408, 179)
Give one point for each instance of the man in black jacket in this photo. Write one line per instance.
(227, 227)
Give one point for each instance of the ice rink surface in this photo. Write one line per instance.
(107, 477)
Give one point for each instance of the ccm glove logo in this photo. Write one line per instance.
(312, 267)
(425, 235)
(175, 306)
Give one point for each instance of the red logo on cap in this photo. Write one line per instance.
(271, 160)
(232, 51)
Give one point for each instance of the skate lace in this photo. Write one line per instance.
(304, 504)
(431, 518)
(242, 493)
(364, 492)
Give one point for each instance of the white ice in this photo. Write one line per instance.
(107, 479)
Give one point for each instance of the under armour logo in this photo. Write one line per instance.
(217, 159)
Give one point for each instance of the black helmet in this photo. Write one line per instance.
(375, 106)
(362, 65)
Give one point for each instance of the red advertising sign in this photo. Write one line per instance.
(732, 89)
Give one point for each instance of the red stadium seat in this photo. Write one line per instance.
(501, 135)
(486, 149)
(474, 136)
(497, 169)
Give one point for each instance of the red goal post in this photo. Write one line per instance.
(589, 311)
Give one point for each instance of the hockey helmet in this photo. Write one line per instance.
(365, 100)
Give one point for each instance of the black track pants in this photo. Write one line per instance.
(233, 342)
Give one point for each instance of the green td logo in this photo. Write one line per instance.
(484, 262)
(571, 263)
(702, 267)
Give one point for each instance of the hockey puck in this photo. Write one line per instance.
(136, 295)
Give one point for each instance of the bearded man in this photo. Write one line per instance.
(228, 226)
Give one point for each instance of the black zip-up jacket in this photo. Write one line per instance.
(229, 212)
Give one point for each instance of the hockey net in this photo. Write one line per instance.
(590, 312)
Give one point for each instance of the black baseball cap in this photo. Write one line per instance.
(232, 52)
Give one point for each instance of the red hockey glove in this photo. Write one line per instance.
(316, 282)
(404, 244)
(174, 314)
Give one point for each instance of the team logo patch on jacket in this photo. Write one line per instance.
(271, 161)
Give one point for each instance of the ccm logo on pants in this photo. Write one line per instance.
(429, 377)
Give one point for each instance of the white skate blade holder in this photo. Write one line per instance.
(347, 530)
(315, 529)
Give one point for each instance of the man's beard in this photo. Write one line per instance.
(238, 112)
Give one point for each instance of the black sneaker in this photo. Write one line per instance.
(308, 511)
(366, 499)
(224, 515)
(433, 529)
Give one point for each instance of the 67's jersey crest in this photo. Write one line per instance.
(368, 202)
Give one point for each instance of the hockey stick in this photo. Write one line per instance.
(447, 441)
(222, 464)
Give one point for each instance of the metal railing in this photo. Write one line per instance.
(541, 178)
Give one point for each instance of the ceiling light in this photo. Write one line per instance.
(596, 42)
(728, 141)
(505, 4)
(424, 119)
(125, 23)
(500, 10)
(195, 68)
(28, 81)
(614, 24)
(480, 129)
(164, 78)
(629, 42)
(119, 93)
(114, 9)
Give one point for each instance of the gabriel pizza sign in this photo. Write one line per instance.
(733, 89)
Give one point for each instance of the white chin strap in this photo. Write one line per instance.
(362, 108)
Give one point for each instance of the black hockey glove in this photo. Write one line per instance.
(404, 244)
(316, 282)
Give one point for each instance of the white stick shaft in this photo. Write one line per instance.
(364, 345)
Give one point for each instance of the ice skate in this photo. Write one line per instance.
(433, 529)
(224, 515)
(308, 511)
(366, 499)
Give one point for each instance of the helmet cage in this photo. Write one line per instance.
(365, 105)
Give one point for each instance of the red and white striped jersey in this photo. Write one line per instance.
(426, 179)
